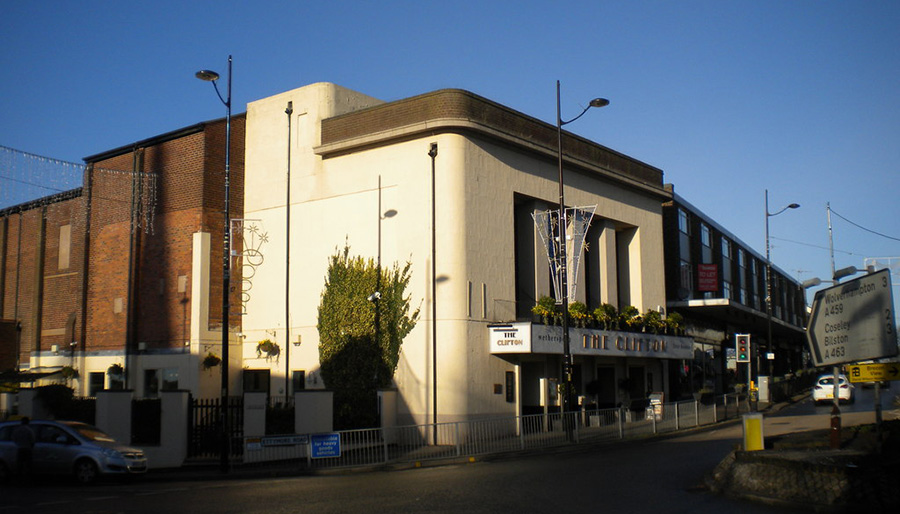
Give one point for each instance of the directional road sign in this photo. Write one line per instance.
(853, 321)
(875, 372)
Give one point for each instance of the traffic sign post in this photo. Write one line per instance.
(853, 321)
(876, 373)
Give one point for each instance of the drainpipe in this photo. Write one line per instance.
(86, 252)
(287, 262)
(432, 152)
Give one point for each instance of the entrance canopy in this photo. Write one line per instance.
(528, 338)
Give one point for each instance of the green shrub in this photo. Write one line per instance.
(356, 360)
(578, 312)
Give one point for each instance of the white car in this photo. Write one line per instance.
(823, 391)
(71, 448)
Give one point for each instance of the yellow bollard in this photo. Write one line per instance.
(753, 432)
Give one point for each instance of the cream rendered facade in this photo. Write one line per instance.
(350, 153)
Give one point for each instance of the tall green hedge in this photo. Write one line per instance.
(353, 363)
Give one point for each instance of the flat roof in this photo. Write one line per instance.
(457, 110)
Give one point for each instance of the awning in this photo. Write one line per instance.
(737, 315)
(19, 377)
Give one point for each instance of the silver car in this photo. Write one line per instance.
(71, 448)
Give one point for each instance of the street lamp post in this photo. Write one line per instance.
(769, 279)
(213, 77)
(561, 234)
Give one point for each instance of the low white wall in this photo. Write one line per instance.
(27, 405)
(387, 410)
(173, 436)
(255, 414)
(313, 411)
(114, 414)
(7, 402)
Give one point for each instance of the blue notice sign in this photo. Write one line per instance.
(324, 446)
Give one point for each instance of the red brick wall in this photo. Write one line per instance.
(109, 196)
(187, 198)
(189, 193)
(214, 205)
(19, 275)
(7, 344)
(51, 315)
(62, 294)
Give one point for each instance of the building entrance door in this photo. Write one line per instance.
(606, 387)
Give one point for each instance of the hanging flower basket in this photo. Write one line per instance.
(68, 372)
(211, 360)
(268, 348)
(116, 370)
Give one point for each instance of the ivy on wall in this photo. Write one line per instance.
(355, 362)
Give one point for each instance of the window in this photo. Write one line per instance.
(95, 383)
(151, 383)
(684, 222)
(53, 435)
(706, 237)
(116, 382)
(256, 381)
(170, 379)
(298, 380)
(65, 246)
(727, 271)
(156, 380)
(687, 276)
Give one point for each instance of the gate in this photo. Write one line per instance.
(204, 430)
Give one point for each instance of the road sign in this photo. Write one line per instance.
(325, 445)
(875, 372)
(853, 321)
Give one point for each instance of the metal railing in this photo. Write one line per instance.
(418, 443)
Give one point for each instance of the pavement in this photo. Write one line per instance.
(851, 469)
(211, 469)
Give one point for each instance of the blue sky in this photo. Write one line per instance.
(729, 98)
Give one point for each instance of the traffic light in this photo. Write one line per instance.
(743, 347)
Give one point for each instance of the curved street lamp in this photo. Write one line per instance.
(769, 278)
(211, 76)
(561, 233)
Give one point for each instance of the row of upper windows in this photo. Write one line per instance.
(750, 268)
(706, 238)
